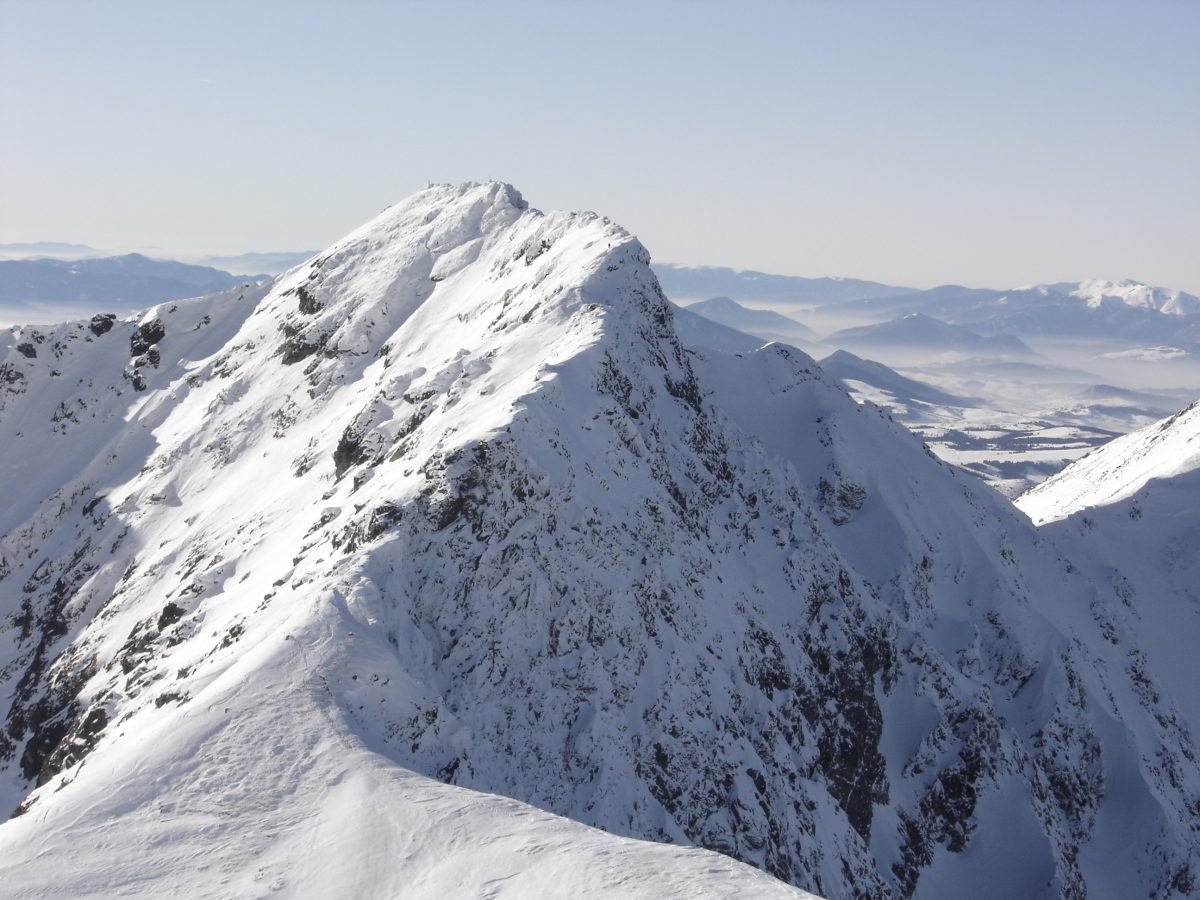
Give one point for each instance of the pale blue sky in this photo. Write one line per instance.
(988, 143)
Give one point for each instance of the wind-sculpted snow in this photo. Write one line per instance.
(450, 506)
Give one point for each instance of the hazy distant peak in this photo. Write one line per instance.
(762, 323)
(924, 331)
(45, 247)
(682, 282)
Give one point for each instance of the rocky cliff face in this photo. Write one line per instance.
(458, 478)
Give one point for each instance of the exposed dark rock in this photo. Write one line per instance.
(10, 375)
(80, 739)
(840, 500)
(171, 614)
(102, 323)
(309, 305)
(297, 346)
(147, 334)
(348, 452)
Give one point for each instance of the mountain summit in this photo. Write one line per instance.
(449, 511)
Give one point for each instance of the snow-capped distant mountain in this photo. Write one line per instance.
(763, 323)
(1127, 312)
(297, 575)
(1097, 294)
(684, 283)
(917, 331)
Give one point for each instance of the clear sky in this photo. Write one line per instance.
(986, 143)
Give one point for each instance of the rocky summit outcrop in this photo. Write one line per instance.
(453, 499)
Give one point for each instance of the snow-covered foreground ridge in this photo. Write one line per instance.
(291, 574)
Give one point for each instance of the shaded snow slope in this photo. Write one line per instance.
(452, 507)
(1119, 469)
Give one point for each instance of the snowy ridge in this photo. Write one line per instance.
(452, 499)
(1119, 469)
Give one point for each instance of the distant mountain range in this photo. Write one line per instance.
(271, 263)
(919, 331)
(682, 283)
(762, 323)
(54, 249)
(1100, 310)
(117, 283)
(697, 331)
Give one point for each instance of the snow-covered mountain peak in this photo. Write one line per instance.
(452, 499)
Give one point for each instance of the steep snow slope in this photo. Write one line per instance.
(901, 523)
(1131, 511)
(451, 499)
(1120, 468)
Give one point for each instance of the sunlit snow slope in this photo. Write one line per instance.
(296, 578)
(1120, 468)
